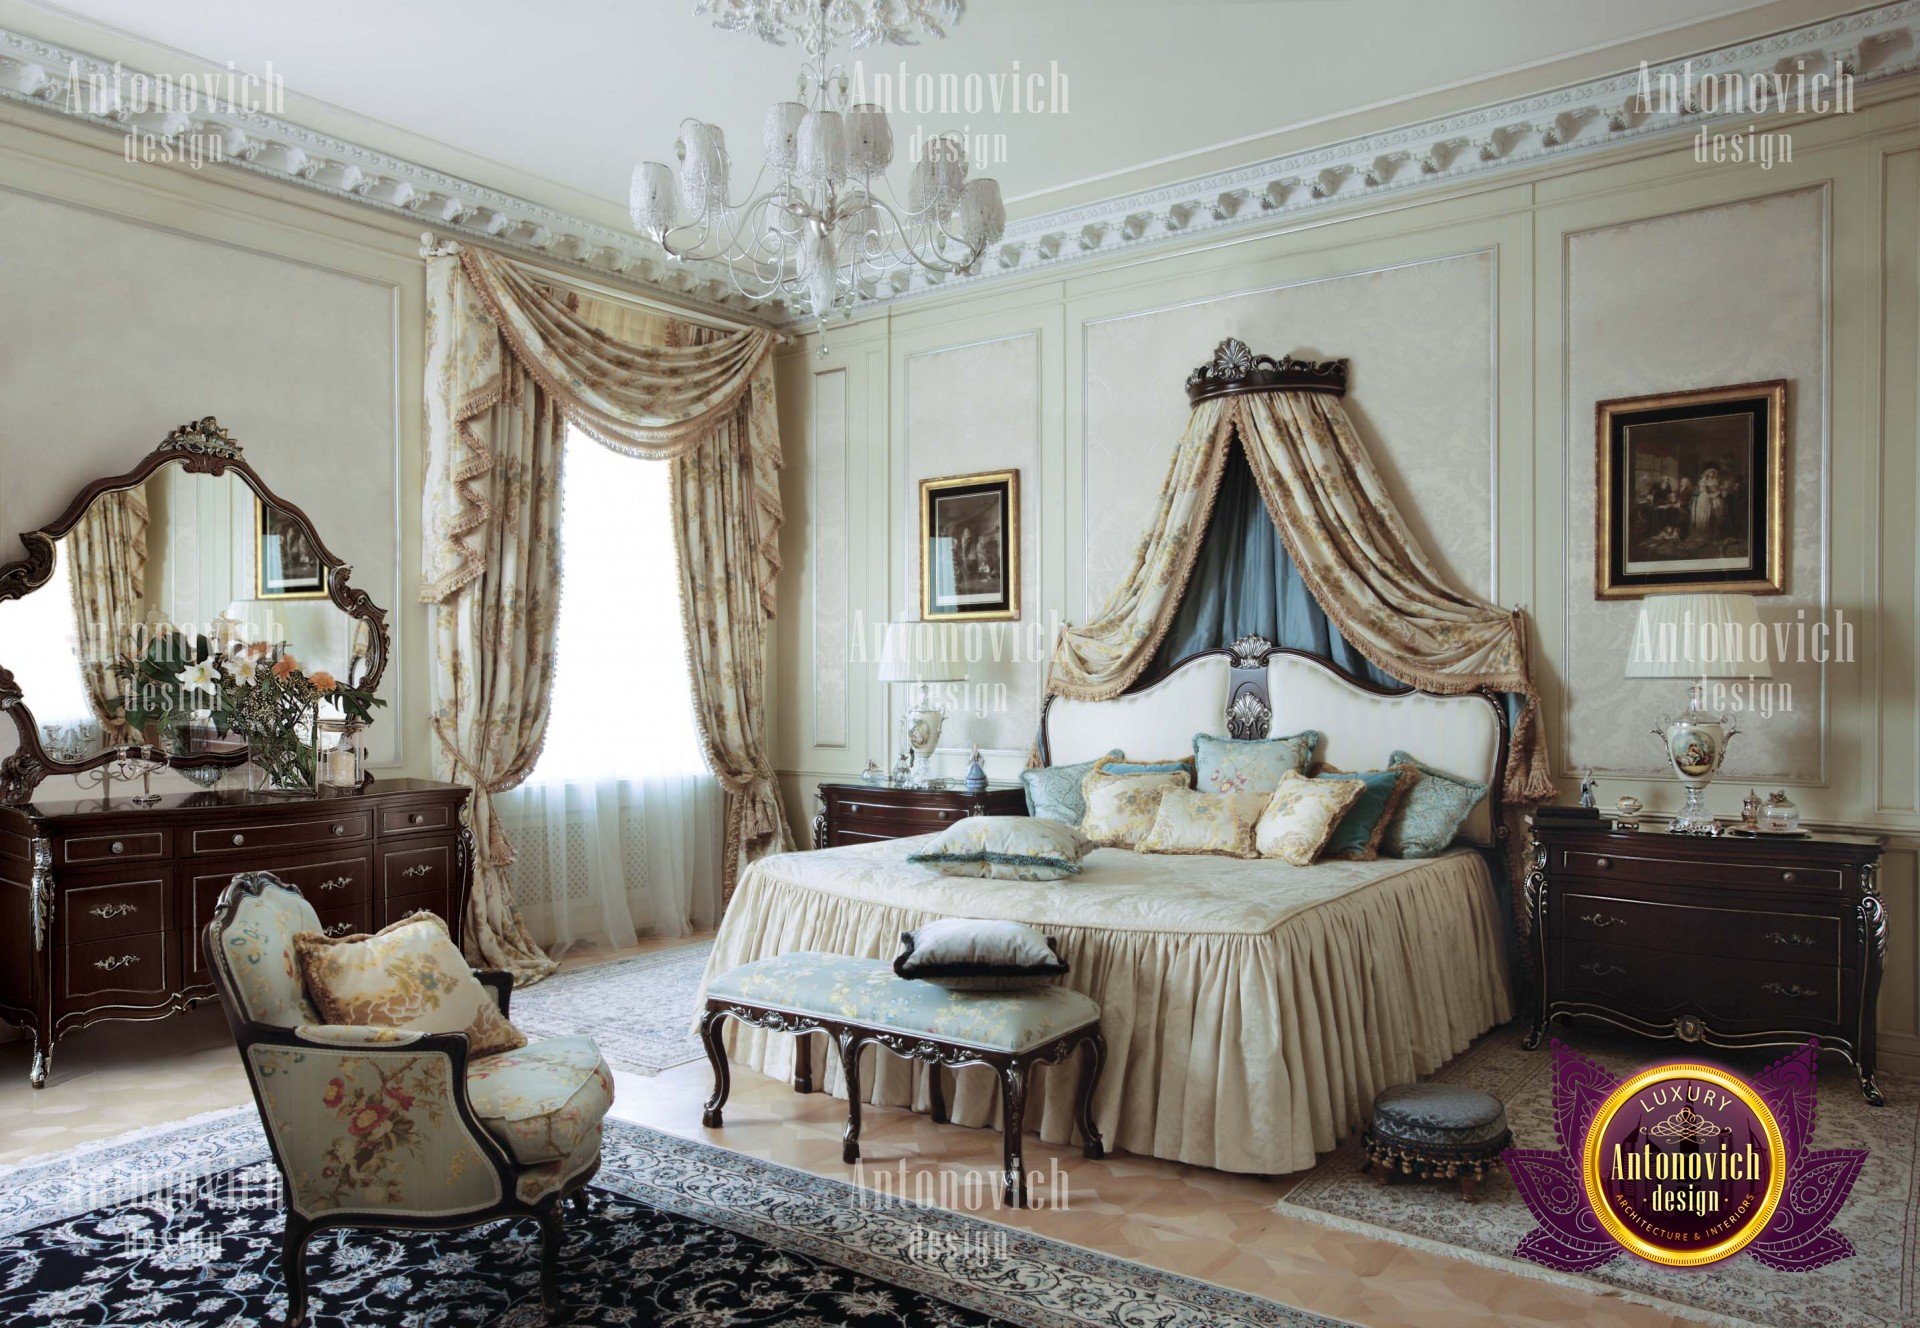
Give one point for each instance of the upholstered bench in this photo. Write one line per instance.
(1437, 1132)
(860, 1001)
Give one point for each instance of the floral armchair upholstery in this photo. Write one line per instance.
(385, 1128)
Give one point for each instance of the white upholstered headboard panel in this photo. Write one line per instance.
(1457, 734)
(1153, 722)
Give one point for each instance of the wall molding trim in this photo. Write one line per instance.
(1871, 46)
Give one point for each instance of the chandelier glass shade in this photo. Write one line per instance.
(821, 227)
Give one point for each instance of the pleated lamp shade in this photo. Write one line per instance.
(1698, 636)
(918, 652)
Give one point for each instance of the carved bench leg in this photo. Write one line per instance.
(936, 1094)
(803, 1063)
(1092, 1062)
(1013, 1119)
(717, 1056)
(850, 1069)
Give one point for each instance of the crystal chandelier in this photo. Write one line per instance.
(828, 228)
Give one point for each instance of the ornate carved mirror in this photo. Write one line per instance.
(189, 543)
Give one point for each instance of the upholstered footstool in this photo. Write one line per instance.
(1437, 1132)
(861, 1002)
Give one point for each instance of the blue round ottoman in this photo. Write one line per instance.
(1437, 1132)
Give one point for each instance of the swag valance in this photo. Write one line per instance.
(511, 361)
(1341, 529)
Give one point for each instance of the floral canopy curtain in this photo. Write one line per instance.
(107, 566)
(510, 362)
(1351, 547)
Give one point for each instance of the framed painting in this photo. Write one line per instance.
(285, 563)
(970, 547)
(1691, 492)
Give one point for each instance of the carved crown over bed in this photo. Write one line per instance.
(1254, 689)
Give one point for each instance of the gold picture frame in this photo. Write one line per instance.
(970, 547)
(1690, 492)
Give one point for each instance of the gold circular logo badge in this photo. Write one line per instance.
(1684, 1164)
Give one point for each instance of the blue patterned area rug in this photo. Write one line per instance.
(181, 1227)
(639, 1011)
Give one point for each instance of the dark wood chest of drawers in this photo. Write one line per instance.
(859, 813)
(102, 903)
(1733, 942)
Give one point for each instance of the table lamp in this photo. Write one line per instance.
(917, 652)
(1697, 637)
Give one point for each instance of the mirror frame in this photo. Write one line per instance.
(203, 448)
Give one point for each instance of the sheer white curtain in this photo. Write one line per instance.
(619, 832)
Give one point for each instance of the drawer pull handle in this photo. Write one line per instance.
(1604, 970)
(337, 928)
(1793, 989)
(339, 829)
(119, 961)
(116, 847)
(421, 870)
(1603, 863)
(415, 819)
(1602, 920)
(1790, 938)
(110, 911)
(337, 883)
(1789, 877)
(239, 839)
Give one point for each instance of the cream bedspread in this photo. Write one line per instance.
(1251, 1009)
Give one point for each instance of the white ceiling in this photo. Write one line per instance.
(574, 92)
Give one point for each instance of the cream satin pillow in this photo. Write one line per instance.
(1121, 808)
(410, 976)
(1193, 822)
(1302, 816)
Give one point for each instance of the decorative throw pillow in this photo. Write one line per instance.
(978, 954)
(1053, 791)
(410, 976)
(1301, 818)
(1007, 848)
(1431, 813)
(1192, 822)
(1240, 765)
(1124, 765)
(1359, 832)
(1121, 808)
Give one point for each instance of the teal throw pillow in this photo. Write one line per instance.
(1249, 765)
(1432, 812)
(1359, 833)
(1053, 791)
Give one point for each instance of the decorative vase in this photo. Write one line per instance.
(1696, 743)
(285, 760)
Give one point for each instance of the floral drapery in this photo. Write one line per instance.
(1355, 553)
(510, 361)
(106, 554)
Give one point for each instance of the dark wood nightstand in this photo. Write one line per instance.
(856, 812)
(1727, 940)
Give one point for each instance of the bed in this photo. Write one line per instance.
(1252, 1009)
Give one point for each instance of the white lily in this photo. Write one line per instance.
(203, 677)
(244, 668)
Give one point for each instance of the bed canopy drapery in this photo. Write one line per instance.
(1375, 597)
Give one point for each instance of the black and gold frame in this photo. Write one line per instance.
(970, 548)
(286, 562)
(1692, 492)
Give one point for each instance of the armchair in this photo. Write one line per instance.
(380, 1128)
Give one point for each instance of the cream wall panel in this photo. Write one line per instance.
(1897, 672)
(1419, 339)
(125, 318)
(1727, 294)
(827, 515)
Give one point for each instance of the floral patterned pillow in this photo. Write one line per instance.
(1053, 791)
(410, 975)
(1121, 808)
(1193, 822)
(1431, 813)
(1235, 765)
(1006, 848)
(1301, 818)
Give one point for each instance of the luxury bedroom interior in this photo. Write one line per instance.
(960, 662)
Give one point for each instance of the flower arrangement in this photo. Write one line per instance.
(257, 691)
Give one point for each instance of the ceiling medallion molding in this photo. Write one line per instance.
(1872, 46)
(41, 74)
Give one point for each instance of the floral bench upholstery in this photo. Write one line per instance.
(386, 1128)
(860, 1001)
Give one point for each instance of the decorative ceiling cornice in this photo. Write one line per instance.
(1870, 46)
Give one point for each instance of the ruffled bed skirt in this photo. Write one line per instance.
(1243, 1052)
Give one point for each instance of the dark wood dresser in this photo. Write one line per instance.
(856, 812)
(1730, 941)
(102, 902)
